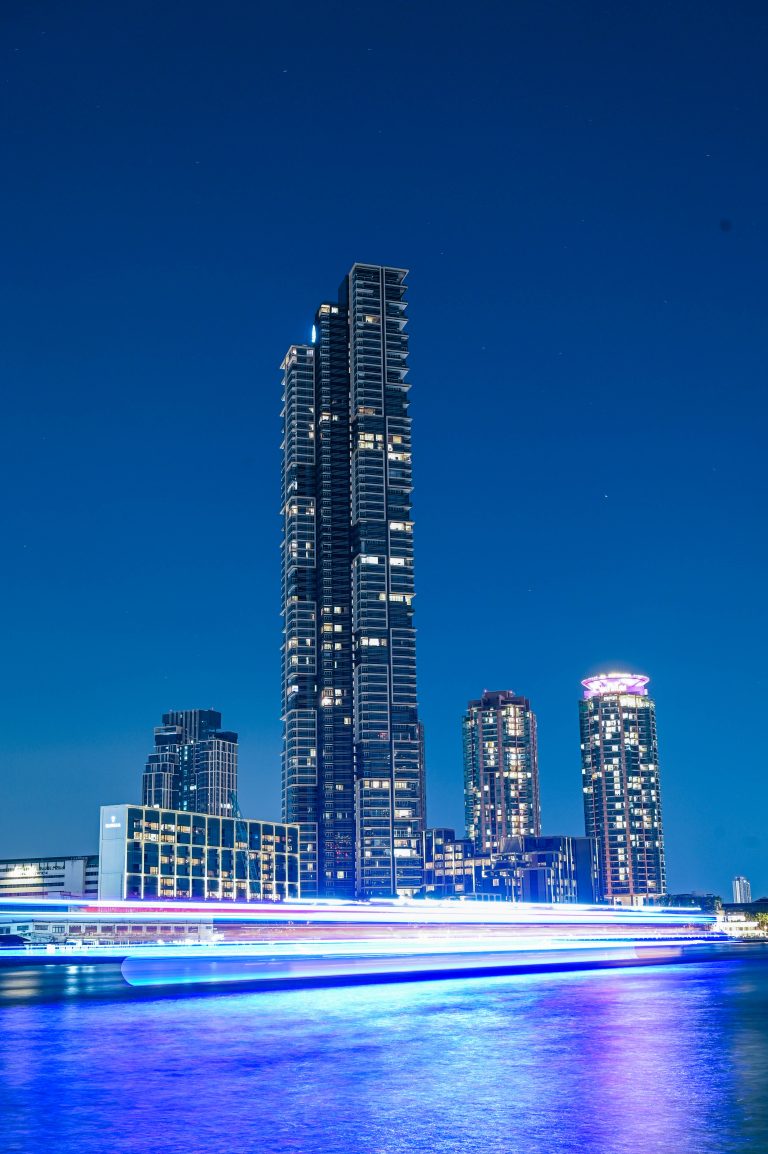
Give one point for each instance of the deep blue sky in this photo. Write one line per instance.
(581, 194)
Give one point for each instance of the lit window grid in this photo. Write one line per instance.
(622, 801)
(501, 785)
(383, 743)
(177, 854)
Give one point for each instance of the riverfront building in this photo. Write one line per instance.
(352, 752)
(193, 765)
(501, 771)
(742, 891)
(145, 852)
(49, 877)
(531, 869)
(620, 778)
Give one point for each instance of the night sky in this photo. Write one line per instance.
(581, 194)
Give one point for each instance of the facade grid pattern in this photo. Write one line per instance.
(501, 771)
(353, 748)
(147, 852)
(620, 778)
(193, 765)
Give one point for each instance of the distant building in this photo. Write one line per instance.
(620, 777)
(193, 765)
(529, 869)
(756, 906)
(501, 771)
(707, 903)
(742, 891)
(146, 852)
(352, 745)
(49, 877)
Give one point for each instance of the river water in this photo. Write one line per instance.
(670, 1059)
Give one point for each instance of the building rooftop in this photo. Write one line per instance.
(605, 683)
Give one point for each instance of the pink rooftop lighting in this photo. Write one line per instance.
(604, 683)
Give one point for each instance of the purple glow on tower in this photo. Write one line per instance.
(604, 683)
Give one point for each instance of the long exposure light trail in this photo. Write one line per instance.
(395, 912)
(306, 941)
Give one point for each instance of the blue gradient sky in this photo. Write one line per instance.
(580, 193)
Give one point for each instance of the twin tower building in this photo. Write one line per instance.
(353, 777)
(353, 753)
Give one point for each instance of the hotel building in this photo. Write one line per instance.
(145, 852)
(352, 752)
(193, 765)
(501, 771)
(620, 778)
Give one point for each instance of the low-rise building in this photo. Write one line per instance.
(750, 909)
(37, 922)
(158, 853)
(49, 877)
(528, 868)
(707, 903)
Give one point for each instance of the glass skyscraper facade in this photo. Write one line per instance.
(501, 771)
(620, 777)
(352, 753)
(193, 765)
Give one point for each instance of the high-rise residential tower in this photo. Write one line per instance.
(742, 891)
(352, 750)
(501, 770)
(620, 777)
(193, 765)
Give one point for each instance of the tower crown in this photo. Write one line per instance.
(604, 683)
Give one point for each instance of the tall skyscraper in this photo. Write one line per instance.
(501, 770)
(193, 765)
(620, 777)
(352, 761)
(742, 890)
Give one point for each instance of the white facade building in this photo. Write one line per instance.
(742, 890)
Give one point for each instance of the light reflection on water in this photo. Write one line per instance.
(643, 1060)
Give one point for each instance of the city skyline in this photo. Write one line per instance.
(588, 358)
(382, 453)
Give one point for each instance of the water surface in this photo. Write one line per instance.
(668, 1059)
